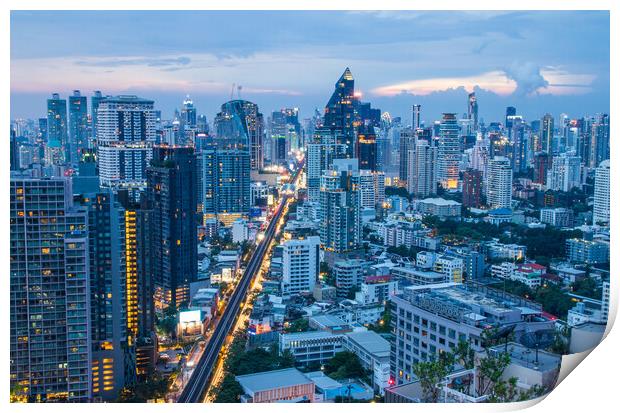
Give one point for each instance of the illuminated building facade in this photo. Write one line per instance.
(448, 152)
(50, 326)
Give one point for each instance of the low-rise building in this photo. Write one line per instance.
(289, 385)
(311, 347)
(589, 252)
(440, 207)
(374, 354)
(558, 217)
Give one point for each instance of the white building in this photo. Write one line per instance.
(499, 182)
(240, 231)
(421, 179)
(440, 207)
(558, 217)
(311, 346)
(601, 194)
(374, 354)
(125, 135)
(300, 265)
(565, 173)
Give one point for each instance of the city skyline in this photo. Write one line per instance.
(507, 58)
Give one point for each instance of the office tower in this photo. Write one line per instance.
(448, 152)
(546, 133)
(406, 144)
(499, 183)
(240, 125)
(226, 184)
(472, 111)
(340, 218)
(367, 148)
(421, 179)
(340, 110)
(510, 112)
(520, 148)
(42, 130)
(321, 152)
(14, 152)
(95, 100)
(202, 124)
(601, 194)
(188, 113)
(49, 293)
(300, 265)
(125, 137)
(565, 173)
(472, 188)
(384, 152)
(57, 121)
(78, 126)
(171, 195)
(417, 109)
(112, 297)
(599, 141)
(542, 161)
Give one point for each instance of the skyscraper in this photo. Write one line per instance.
(407, 143)
(449, 152)
(510, 112)
(225, 176)
(546, 134)
(340, 219)
(50, 331)
(57, 120)
(472, 188)
(601, 212)
(112, 297)
(240, 125)
(367, 148)
(421, 179)
(322, 151)
(340, 110)
(599, 140)
(564, 173)
(417, 109)
(188, 113)
(171, 195)
(78, 126)
(472, 110)
(95, 100)
(125, 137)
(520, 148)
(542, 160)
(499, 183)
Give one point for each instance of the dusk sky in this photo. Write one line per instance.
(555, 62)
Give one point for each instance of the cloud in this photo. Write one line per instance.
(495, 81)
(528, 77)
(135, 61)
(562, 82)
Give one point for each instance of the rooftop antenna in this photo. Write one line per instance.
(232, 91)
(239, 91)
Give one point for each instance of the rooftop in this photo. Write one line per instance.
(526, 357)
(268, 380)
(371, 342)
(440, 201)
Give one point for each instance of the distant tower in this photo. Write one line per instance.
(57, 120)
(449, 152)
(472, 110)
(601, 194)
(416, 117)
(78, 126)
(499, 182)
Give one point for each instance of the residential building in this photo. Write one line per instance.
(588, 252)
(300, 265)
(443, 208)
(601, 212)
(448, 152)
(50, 327)
(558, 217)
(499, 183)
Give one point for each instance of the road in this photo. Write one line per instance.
(198, 383)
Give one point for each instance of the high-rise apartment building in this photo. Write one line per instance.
(321, 152)
(421, 173)
(448, 152)
(78, 126)
(601, 213)
(565, 173)
(300, 265)
(472, 188)
(125, 137)
(472, 111)
(171, 194)
(546, 133)
(50, 326)
(499, 183)
(225, 176)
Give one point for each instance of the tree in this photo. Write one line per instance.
(228, 391)
(298, 325)
(432, 373)
(344, 365)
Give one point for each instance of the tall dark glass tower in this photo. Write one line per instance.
(240, 125)
(57, 120)
(171, 194)
(78, 126)
(367, 149)
(340, 109)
